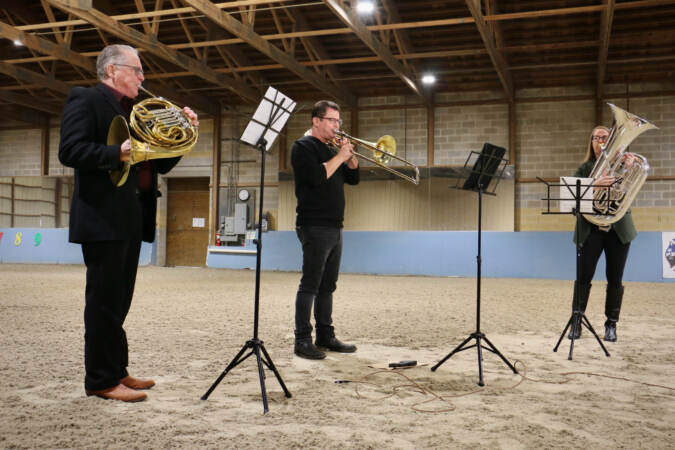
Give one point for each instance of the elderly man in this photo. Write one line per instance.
(109, 221)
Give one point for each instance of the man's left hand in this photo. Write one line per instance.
(192, 115)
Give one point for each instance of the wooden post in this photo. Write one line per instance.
(283, 152)
(57, 202)
(431, 130)
(215, 177)
(354, 119)
(512, 132)
(44, 151)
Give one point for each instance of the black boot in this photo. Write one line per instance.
(305, 349)
(579, 304)
(612, 309)
(610, 330)
(335, 345)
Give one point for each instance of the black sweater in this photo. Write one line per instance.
(321, 200)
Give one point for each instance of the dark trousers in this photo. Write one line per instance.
(111, 276)
(321, 253)
(616, 254)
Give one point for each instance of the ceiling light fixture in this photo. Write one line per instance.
(365, 7)
(428, 79)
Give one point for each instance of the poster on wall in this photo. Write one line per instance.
(668, 254)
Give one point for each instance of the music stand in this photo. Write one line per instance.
(268, 120)
(578, 317)
(489, 164)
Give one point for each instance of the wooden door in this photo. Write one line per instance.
(187, 209)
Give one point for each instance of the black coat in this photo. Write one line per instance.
(100, 211)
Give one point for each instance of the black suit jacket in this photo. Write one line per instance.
(100, 211)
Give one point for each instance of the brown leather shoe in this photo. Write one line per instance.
(137, 383)
(119, 392)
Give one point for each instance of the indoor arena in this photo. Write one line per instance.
(337, 224)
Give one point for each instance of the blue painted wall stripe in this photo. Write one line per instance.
(436, 253)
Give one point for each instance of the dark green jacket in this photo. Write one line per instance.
(624, 228)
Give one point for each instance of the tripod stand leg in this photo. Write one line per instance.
(498, 353)
(236, 361)
(569, 323)
(480, 360)
(261, 375)
(459, 348)
(587, 324)
(270, 364)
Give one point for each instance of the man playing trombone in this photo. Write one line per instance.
(320, 174)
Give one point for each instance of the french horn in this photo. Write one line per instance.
(163, 130)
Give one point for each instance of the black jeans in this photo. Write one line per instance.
(321, 253)
(111, 276)
(616, 254)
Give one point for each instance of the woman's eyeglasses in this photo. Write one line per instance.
(599, 138)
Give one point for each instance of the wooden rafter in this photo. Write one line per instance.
(489, 41)
(150, 44)
(607, 17)
(317, 49)
(255, 40)
(30, 102)
(349, 18)
(28, 76)
(77, 60)
(27, 115)
(401, 37)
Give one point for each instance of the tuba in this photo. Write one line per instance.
(612, 202)
(164, 131)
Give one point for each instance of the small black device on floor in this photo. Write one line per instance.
(405, 363)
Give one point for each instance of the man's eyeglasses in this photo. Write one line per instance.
(599, 138)
(137, 70)
(335, 121)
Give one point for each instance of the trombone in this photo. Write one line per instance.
(384, 150)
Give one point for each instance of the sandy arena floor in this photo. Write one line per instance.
(185, 325)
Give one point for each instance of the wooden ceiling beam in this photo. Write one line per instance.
(606, 19)
(150, 44)
(62, 52)
(26, 115)
(30, 102)
(28, 76)
(149, 14)
(47, 47)
(349, 18)
(417, 24)
(403, 41)
(489, 41)
(318, 48)
(256, 41)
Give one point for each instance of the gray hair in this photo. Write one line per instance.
(112, 54)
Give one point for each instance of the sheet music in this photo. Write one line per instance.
(275, 108)
(567, 193)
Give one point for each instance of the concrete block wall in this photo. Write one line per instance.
(459, 130)
(20, 152)
(550, 141)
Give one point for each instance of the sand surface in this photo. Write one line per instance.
(185, 325)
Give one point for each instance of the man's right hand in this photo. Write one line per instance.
(125, 151)
(346, 149)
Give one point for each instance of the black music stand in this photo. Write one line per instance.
(268, 120)
(489, 164)
(578, 317)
